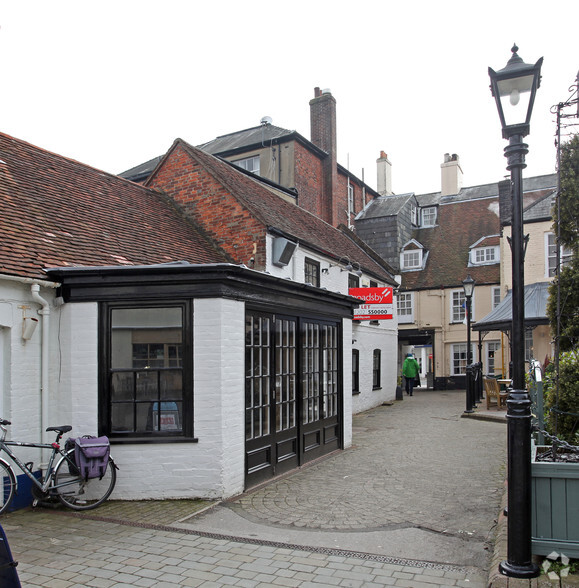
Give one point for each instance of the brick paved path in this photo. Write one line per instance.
(412, 504)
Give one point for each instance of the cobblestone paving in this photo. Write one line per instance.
(416, 463)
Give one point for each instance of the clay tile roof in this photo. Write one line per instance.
(460, 225)
(57, 212)
(272, 211)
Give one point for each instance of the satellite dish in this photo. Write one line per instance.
(266, 120)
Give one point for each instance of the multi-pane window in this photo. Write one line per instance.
(405, 307)
(496, 296)
(414, 215)
(493, 348)
(459, 359)
(285, 374)
(458, 308)
(355, 371)
(429, 216)
(319, 372)
(353, 281)
(250, 164)
(528, 345)
(351, 199)
(312, 272)
(565, 255)
(148, 390)
(485, 255)
(412, 259)
(257, 376)
(376, 368)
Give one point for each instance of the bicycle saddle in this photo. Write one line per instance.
(62, 429)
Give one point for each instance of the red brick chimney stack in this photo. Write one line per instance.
(324, 136)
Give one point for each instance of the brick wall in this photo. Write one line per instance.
(309, 180)
(212, 207)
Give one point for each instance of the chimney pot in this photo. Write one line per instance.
(317, 92)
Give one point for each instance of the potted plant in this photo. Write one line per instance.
(555, 475)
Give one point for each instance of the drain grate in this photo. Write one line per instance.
(280, 545)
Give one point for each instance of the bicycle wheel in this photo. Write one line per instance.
(76, 492)
(7, 486)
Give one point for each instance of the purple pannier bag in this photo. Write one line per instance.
(92, 456)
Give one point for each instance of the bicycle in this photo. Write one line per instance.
(62, 481)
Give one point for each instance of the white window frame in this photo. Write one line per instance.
(350, 198)
(415, 254)
(249, 164)
(490, 255)
(495, 296)
(495, 347)
(458, 306)
(551, 255)
(458, 365)
(430, 213)
(414, 214)
(407, 316)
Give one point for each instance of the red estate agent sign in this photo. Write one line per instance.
(378, 303)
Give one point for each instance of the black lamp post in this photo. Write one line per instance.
(468, 287)
(514, 88)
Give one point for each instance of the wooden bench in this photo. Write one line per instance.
(493, 391)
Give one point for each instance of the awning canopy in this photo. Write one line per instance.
(501, 318)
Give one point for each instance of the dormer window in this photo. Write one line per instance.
(429, 216)
(413, 256)
(485, 255)
(486, 251)
(412, 259)
(414, 215)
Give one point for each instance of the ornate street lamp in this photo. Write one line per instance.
(468, 287)
(514, 88)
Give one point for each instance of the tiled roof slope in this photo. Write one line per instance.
(261, 135)
(267, 206)
(58, 212)
(460, 225)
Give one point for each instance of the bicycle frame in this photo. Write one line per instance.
(47, 483)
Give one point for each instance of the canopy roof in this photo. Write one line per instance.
(501, 317)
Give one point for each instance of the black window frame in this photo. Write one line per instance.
(353, 281)
(312, 272)
(376, 369)
(355, 371)
(186, 433)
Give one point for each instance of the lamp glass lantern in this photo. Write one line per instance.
(514, 88)
(468, 286)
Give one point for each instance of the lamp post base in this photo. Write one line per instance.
(514, 571)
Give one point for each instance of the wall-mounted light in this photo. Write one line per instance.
(29, 324)
(283, 249)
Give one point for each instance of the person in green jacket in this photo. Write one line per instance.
(410, 369)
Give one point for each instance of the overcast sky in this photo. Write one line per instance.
(113, 83)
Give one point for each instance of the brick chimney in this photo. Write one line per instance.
(451, 175)
(323, 135)
(384, 170)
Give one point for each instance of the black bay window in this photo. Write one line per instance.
(147, 387)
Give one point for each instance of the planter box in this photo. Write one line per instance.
(555, 507)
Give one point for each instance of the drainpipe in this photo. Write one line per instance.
(45, 313)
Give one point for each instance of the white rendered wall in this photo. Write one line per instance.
(214, 466)
(20, 365)
(368, 337)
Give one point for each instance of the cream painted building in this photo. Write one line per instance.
(434, 241)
